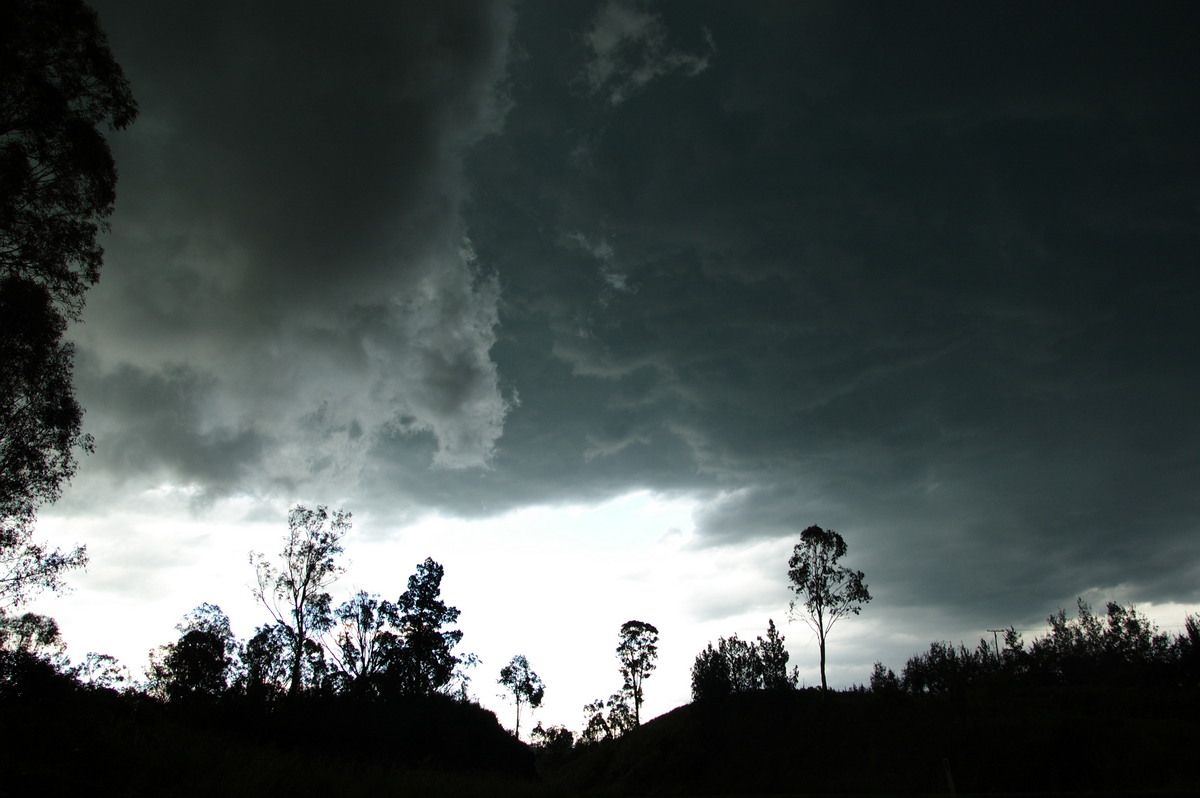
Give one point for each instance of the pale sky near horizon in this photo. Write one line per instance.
(600, 303)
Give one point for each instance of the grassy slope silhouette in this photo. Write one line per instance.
(801, 743)
(60, 738)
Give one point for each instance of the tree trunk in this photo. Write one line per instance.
(821, 645)
(297, 664)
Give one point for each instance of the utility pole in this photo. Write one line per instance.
(996, 638)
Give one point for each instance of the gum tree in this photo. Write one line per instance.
(523, 685)
(425, 663)
(826, 591)
(294, 589)
(59, 87)
(636, 651)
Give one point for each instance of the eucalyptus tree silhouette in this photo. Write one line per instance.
(523, 685)
(425, 663)
(828, 591)
(636, 651)
(40, 430)
(294, 590)
(199, 664)
(366, 640)
(59, 84)
(266, 670)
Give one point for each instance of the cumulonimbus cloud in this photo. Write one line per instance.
(293, 241)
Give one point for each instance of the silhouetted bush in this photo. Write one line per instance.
(1121, 648)
(738, 666)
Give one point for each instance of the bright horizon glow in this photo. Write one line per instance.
(551, 582)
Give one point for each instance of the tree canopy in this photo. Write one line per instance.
(738, 666)
(426, 661)
(199, 664)
(637, 650)
(523, 685)
(827, 590)
(294, 590)
(365, 641)
(59, 85)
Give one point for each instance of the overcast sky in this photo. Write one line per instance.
(600, 304)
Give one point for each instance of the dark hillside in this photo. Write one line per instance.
(59, 738)
(796, 743)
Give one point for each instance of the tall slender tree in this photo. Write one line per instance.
(636, 650)
(294, 591)
(425, 662)
(523, 685)
(827, 591)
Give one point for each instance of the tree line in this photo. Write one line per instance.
(368, 648)
(373, 649)
(1119, 648)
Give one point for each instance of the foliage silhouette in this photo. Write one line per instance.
(1121, 648)
(377, 649)
(294, 591)
(33, 634)
(737, 666)
(554, 746)
(194, 666)
(773, 656)
(606, 720)
(101, 671)
(425, 663)
(827, 591)
(365, 642)
(40, 429)
(884, 680)
(59, 84)
(265, 668)
(977, 706)
(199, 664)
(637, 650)
(523, 685)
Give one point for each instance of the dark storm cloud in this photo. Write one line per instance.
(172, 430)
(627, 47)
(322, 143)
(290, 236)
(921, 274)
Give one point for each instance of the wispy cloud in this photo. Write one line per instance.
(628, 49)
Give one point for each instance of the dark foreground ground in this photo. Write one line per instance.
(60, 741)
(799, 743)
